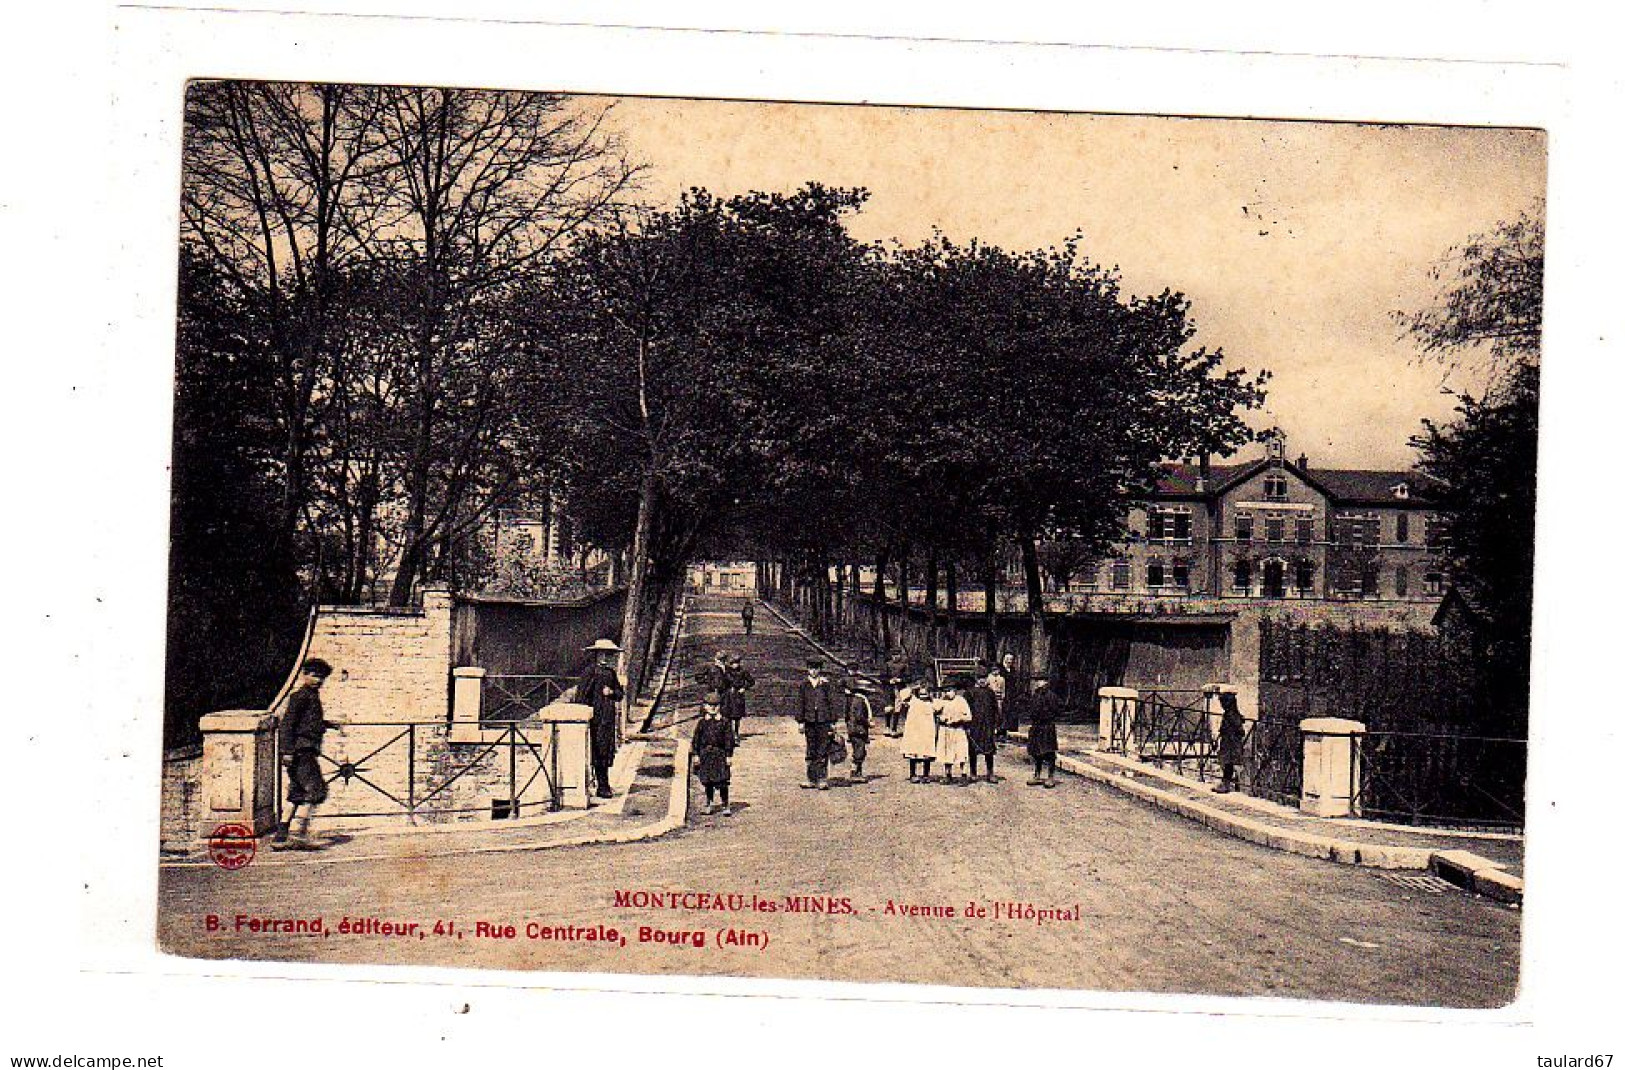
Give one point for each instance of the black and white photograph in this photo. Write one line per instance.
(877, 544)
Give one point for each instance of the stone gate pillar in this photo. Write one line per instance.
(1120, 704)
(239, 771)
(1331, 766)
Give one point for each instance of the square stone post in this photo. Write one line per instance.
(239, 771)
(1115, 703)
(1331, 766)
(467, 697)
(567, 752)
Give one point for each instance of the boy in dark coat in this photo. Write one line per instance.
(984, 723)
(815, 712)
(299, 739)
(713, 747)
(601, 688)
(739, 680)
(1042, 710)
(859, 716)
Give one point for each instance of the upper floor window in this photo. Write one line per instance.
(1435, 532)
(1275, 529)
(1244, 527)
(1275, 488)
(1306, 530)
(1155, 575)
(1356, 530)
(1402, 529)
(1168, 524)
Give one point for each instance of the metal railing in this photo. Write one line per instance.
(505, 698)
(1272, 760)
(1431, 778)
(427, 764)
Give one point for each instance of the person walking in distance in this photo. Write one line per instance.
(747, 615)
(815, 713)
(601, 688)
(984, 723)
(299, 737)
(1232, 737)
(919, 732)
(714, 742)
(1009, 712)
(860, 714)
(1042, 710)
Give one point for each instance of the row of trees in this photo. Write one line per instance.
(403, 309)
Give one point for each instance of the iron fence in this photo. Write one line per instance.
(508, 697)
(1429, 778)
(412, 768)
(1272, 760)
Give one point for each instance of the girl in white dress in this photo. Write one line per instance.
(919, 744)
(953, 745)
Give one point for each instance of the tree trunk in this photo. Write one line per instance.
(953, 606)
(932, 570)
(902, 603)
(880, 622)
(637, 577)
(839, 618)
(990, 596)
(1039, 659)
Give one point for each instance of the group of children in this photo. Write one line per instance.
(957, 724)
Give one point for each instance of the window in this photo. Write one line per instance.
(1168, 524)
(1433, 583)
(1120, 574)
(1368, 580)
(1356, 530)
(1435, 532)
(1304, 576)
(1153, 573)
(1402, 528)
(1306, 530)
(1182, 574)
(1402, 578)
(1244, 528)
(1275, 488)
(1275, 529)
(1242, 578)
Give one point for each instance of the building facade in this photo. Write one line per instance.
(1273, 529)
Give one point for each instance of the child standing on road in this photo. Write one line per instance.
(859, 715)
(953, 745)
(713, 747)
(919, 733)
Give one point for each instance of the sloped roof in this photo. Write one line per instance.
(1345, 486)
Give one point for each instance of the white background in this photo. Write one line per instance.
(91, 182)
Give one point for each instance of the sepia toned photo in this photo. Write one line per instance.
(1022, 550)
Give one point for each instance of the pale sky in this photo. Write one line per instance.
(1294, 241)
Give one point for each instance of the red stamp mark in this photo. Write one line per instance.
(232, 846)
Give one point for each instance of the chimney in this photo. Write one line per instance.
(1303, 462)
(1204, 471)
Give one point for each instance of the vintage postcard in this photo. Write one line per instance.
(997, 549)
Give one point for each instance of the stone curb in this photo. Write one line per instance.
(1478, 874)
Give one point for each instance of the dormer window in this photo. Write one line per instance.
(1401, 491)
(1275, 488)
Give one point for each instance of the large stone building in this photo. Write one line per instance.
(1273, 529)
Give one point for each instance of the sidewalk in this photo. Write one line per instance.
(1490, 864)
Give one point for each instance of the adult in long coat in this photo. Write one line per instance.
(983, 729)
(601, 688)
(1232, 739)
(815, 712)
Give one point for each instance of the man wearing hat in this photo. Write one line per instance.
(299, 739)
(816, 715)
(601, 689)
(713, 745)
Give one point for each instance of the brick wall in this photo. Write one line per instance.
(388, 665)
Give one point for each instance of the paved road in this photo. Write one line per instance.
(1163, 905)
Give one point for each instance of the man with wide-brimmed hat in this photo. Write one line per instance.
(601, 688)
(815, 712)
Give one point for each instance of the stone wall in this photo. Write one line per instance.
(388, 665)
